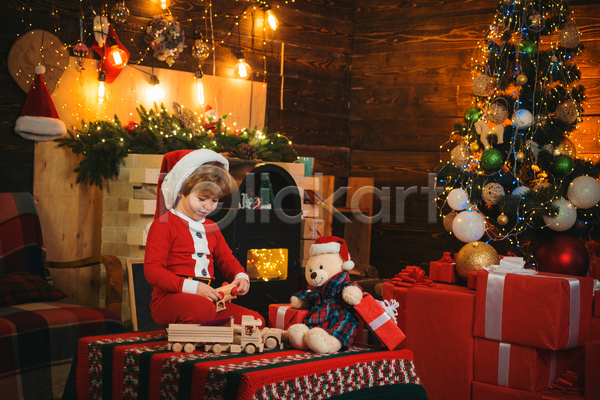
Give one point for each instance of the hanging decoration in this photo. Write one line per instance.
(100, 29)
(166, 38)
(114, 58)
(119, 13)
(80, 50)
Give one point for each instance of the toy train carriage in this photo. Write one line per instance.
(233, 338)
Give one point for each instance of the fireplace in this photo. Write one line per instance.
(265, 241)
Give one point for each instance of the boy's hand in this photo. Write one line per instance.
(205, 290)
(243, 286)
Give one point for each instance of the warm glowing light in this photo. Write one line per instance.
(164, 4)
(242, 69)
(267, 264)
(101, 87)
(117, 57)
(155, 92)
(200, 90)
(272, 19)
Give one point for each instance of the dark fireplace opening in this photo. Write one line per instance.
(265, 241)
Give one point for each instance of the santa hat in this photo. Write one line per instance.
(176, 167)
(330, 245)
(39, 120)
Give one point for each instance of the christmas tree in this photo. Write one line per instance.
(515, 177)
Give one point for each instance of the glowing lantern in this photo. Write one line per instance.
(117, 57)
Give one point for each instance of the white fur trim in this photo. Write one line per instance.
(242, 275)
(39, 128)
(325, 248)
(189, 286)
(348, 265)
(40, 69)
(172, 183)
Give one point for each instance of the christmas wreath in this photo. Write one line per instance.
(166, 38)
(104, 144)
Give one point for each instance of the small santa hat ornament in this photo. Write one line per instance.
(39, 119)
(331, 245)
(176, 167)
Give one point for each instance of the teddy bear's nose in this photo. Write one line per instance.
(313, 275)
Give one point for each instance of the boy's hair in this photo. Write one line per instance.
(210, 177)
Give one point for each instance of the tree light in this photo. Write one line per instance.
(242, 69)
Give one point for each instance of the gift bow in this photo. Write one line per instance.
(411, 276)
(390, 308)
(447, 258)
(510, 265)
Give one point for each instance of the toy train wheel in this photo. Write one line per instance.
(217, 349)
(169, 346)
(177, 347)
(189, 347)
(250, 349)
(270, 343)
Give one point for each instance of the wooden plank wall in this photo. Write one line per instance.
(317, 42)
(411, 81)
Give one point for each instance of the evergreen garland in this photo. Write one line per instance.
(104, 144)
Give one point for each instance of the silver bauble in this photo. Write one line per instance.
(119, 13)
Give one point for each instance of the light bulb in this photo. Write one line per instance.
(154, 92)
(164, 4)
(272, 19)
(117, 57)
(101, 87)
(242, 69)
(199, 87)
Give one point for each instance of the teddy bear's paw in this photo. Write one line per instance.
(296, 336)
(319, 341)
(296, 302)
(352, 295)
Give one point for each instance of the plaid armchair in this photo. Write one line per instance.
(38, 333)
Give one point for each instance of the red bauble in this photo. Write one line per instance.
(130, 126)
(563, 254)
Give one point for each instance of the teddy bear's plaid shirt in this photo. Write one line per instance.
(329, 311)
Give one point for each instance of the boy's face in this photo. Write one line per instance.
(197, 205)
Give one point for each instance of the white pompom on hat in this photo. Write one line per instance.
(39, 119)
(333, 245)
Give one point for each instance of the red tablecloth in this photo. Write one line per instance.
(137, 365)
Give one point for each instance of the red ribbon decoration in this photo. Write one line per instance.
(447, 258)
(411, 276)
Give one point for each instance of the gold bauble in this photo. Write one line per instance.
(474, 146)
(521, 79)
(448, 220)
(520, 156)
(566, 147)
(474, 256)
(502, 219)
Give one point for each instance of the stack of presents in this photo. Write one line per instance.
(514, 335)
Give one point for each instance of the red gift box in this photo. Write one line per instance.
(485, 391)
(443, 270)
(380, 322)
(515, 366)
(549, 311)
(472, 280)
(592, 370)
(438, 323)
(595, 331)
(597, 304)
(282, 316)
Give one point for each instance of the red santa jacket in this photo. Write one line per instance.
(184, 247)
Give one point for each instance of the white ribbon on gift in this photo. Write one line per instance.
(390, 312)
(280, 321)
(495, 298)
(504, 365)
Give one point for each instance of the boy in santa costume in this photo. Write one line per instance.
(183, 246)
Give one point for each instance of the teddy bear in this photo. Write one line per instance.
(331, 323)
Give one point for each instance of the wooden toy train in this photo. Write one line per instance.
(233, 338)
